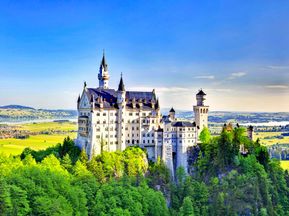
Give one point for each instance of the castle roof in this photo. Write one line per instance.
(172, 110)
(183, 124)
(121, 85)
(201, 93)
(103, 63)
(109, 97)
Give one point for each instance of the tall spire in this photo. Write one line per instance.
(121, 85)
(103, 75)
(103, 62)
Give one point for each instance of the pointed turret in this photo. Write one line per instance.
(121, 85)
(78, 101)
(103, 64)
(172, 114)
(103, 76)
(157, 104)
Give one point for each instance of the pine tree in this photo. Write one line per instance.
(5, 200)
(187, 208)
(83, 156)
(66, 162)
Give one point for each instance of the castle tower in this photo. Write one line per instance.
(121, 115)
(201, 111)
(172, 114)
(103, 76)
(250, 130)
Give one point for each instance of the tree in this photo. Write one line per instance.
(96, 168)
(5, 199)
(83, 156)
(205, 135)
(29, 160)
(66, 162)
(187, 208)
(20, 203)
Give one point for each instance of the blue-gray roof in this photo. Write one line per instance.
(109, 98)
(183, 124)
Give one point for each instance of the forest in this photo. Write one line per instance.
(62, 181)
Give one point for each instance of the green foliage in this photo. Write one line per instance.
(62, 181)
(205, 135)
(187, 208)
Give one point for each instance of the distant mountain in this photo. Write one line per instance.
(15, 107)
(237, 117)
(19, 113)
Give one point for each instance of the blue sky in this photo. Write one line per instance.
(237, 51)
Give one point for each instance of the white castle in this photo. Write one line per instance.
(110, 120)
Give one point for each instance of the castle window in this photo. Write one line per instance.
(111, 114)
(128, 141)
(98, 122)
(126, 128)
(130, 114)
(137, 128)
(153, 141)
(115, 142)
(106, 136)
(136, 114)
(148, 141)
(104, 114)
(98, 136)
(144, 141)
(98, 114)
(111, 143)
(104, 122)
(132, 128)
(153, 121)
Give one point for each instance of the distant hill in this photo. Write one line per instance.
(19, 113)
(237, 117)
(15, 107)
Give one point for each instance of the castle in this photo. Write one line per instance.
(110, 120)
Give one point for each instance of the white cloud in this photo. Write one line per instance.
(220, 90)
(277, 67)
(276, 86)
(205, 77)
(237, 75)
(160, 89)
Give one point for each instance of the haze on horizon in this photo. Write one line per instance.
(236, 51)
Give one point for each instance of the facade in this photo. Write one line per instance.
(110, 120)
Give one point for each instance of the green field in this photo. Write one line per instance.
(269, 138)
(15, 146)
(285, 165)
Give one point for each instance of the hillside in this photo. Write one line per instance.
(19, 113)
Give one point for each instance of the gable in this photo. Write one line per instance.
(84, 101)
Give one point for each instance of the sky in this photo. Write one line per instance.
(236, 51)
